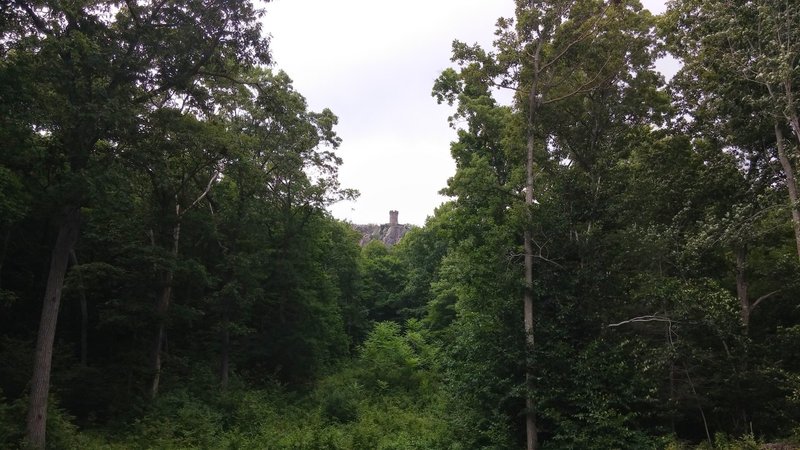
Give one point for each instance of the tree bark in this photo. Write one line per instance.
(161, 311)
(531, 430)
(40, 381)
(791, 184)
(164, 299)
(741, 286)
(162, 307)
(791, 112)
(530, 411)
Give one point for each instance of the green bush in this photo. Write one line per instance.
(721, 442)
(62, 433)
(179, 420)
(393, 360)
(11, 425)
(340, 405)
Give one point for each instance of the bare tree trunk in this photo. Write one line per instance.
(161, 311)
(531, 430)
(40, 381)
(535, 101)
(699, 403)
(165, 297)
(530, 411)
(791, 184)
(741, 286)
(791, 114)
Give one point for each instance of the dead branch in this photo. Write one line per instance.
(651, 318)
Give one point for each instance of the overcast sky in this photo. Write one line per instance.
(373, 63)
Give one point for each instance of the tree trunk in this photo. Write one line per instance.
(791, 112)
(531, 431)
(40, 381)
(791, 184)
(699, 403)
(741, 286)
(530, 411)
(161, 311)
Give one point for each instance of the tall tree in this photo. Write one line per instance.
(554, 51)
(278, 140)
(746, 54)
(93, 69)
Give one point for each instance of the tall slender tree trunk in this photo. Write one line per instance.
(791, 184)
(531, 430)
(158, 344)
(791, 111)
(168, 277)
(40, 382)
(162, 307)
(746, 309)
(741, 286)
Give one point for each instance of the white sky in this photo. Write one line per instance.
(373, 63)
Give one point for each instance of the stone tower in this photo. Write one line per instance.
(388, 233)
(395, 231)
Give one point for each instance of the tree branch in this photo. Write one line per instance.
(205, 192)
(134, 16)
(652, 318)
(762, 298)
(37, 21)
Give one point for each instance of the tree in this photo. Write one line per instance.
(182, 159)
(93, 72)
(555, 51)
(267, 199)
(746, 54)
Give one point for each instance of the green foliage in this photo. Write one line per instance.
(391, 360)
(11, 428)
(747, 442)
(61, 429)
(383, 277)
(665, 276)
(177, 419)
(340, 405)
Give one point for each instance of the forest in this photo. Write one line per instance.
(617, 266)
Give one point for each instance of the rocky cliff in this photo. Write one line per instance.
(388, 233)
